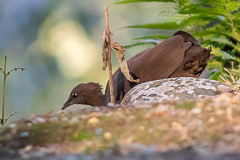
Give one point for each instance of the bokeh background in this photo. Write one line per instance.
(59, 44)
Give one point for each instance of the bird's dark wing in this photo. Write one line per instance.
(160, 61)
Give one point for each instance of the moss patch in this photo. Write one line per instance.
(81, 136)
(186, 105)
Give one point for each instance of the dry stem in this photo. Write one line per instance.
(10, 115)
(108, 33)
(4, 88)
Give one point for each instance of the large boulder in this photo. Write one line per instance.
(184, 88)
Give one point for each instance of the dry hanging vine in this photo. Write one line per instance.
(107, 54)
(107, 45)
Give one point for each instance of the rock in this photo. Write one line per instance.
(171, 89)
(224, 89)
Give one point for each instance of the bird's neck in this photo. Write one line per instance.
(97, 100)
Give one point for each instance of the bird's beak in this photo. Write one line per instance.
(67, 104)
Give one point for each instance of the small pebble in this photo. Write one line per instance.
(36, 154)
(229, 113)
(236, 128)
(211, 120)
(108, 114)
(28, 147)
(29, 124)
(141, 128)
(129, 140)
(199, 104)
(13, 125)
(110, 104)
(176, 126)
(150, 130)
(24, 134)
(64, 119)
(161, 109)
(209, 109)
(40, 120)
(131, 118)
(143, 106)
(93, 121)
(107, 135)
(99, 131)
(196, 110)
(53, 119)
(97, 109)
(73, 120)
(219, 112)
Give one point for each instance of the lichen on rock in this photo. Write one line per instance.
(171, 89)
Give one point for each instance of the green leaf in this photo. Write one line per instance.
(215, 64)
(234, 84)
(155, 36)
(212, 2)
(166, 25)
(236, 17)
(215, 32)
(218, 53)
(198, 19)
(197, 8)
(222, 43)
(139, 44)
(215, 75)
(233, 6)
(183, 2)
(134, 1)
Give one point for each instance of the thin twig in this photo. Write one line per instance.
(226, 81)
(108, 33)
(15, 69)
(10, 115)
(230, 75)
(4, 89)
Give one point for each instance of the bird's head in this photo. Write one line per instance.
(85, 93)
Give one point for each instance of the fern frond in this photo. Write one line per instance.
(166, 25)
(135, 1)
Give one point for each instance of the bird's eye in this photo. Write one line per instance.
(74, 95)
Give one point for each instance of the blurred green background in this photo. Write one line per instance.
(59, 44)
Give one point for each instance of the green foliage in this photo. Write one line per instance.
(167, 25)
(133, 1)
(215, 23)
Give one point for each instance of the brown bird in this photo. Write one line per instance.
(178, 56)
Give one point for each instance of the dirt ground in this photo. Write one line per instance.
(206, 127)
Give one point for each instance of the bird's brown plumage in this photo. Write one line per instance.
(178, 56)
